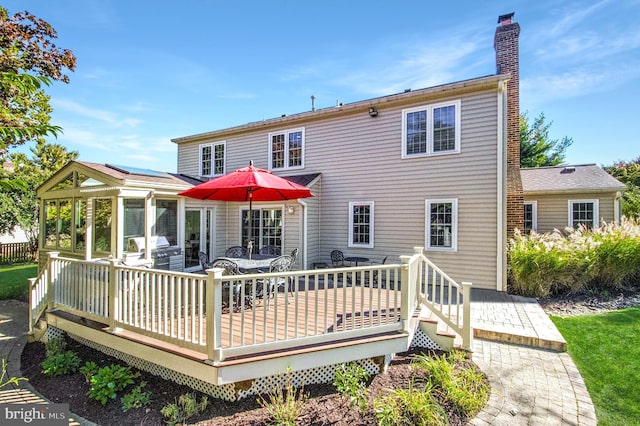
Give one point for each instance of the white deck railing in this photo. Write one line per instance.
(228, 316)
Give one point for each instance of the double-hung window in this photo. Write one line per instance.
(584, 212)
(361, 224)
(431, 129)
(286, 149)
(530, 216)
(441, 224)
(212, 159)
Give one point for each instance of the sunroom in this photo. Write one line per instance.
(100, 211)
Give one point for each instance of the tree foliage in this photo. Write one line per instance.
(29, 61)
(537, 149)
(629, 174)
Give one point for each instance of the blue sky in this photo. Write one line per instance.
(150, 71)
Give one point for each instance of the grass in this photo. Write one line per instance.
(14, 280)
(606, 349)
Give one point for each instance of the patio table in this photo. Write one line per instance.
(356, 259)
(256, 263)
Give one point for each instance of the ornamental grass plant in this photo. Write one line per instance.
(560, 262)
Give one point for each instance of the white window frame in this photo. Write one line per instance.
(371, 206)
(430, 140)
(596, 211)
(534, 214)
(454, 224)
(286, 134)
(212, 145)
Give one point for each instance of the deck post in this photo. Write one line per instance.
(406, 281)
(214, 311)
(53, 255)
(112, 295)
(467, 331)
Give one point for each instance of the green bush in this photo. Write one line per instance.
(88, 370)
(606, 257)
(108, 381)
(351, 381)
(136, 398)
(61, 364)
(184, 408)
(409, 407)
(460, 382)
(284, 403)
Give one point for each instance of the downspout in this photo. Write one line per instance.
(303, 234)
(501, 255)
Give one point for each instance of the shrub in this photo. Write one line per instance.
(55, 346)
(606, 257)
(284, 403)
(351, 381)
(409, 407)
(88, 370)
(61, 364)
(108, 381)
(184, 408)
(461, 384)
(136, 398)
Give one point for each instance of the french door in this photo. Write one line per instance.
(198, 227)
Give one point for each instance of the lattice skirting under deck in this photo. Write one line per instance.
(231, 392)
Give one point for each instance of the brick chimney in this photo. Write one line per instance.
(506, 46)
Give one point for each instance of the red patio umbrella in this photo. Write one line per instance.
(248, 184)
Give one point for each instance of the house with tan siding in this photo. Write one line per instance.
(435, 167)
(567, 196)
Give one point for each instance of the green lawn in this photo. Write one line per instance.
(14, 280)
(606, 350)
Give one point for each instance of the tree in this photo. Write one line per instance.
(629, 174)
(29, 61)
(19, 205)
(536, 148)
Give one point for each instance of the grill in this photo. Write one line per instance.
(163, 255)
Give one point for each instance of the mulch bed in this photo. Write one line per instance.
(324, 407)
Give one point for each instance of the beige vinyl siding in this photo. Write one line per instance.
(360, 159)
(553, 210)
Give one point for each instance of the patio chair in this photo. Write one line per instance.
(271, 287)
(294, 256)
(204, 260)
(236, 251)
(230, 268)
(270, 251)
(337, 258)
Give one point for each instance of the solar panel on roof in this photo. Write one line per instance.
(137, 171)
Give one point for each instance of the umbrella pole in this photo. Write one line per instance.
(250, 242)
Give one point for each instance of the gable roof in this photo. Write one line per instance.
(583, 177)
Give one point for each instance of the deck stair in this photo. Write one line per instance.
(438, 331)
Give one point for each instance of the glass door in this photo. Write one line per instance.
(197, 232)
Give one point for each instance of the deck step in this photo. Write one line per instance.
(439, 332)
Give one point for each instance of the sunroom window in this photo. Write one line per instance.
(102, 211)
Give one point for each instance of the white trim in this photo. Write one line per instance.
(429, 110)
(286, 151)
(454, 224)
(213, 150)
(534, 214)
(596, 211)
(353, 204)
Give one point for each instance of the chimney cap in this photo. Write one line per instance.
(505, 19)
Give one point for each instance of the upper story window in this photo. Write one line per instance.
(530, 216)
(584, 212)
(441, 224)
(286, 149)
(431, 129)
(361, 224)
(212, 159)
